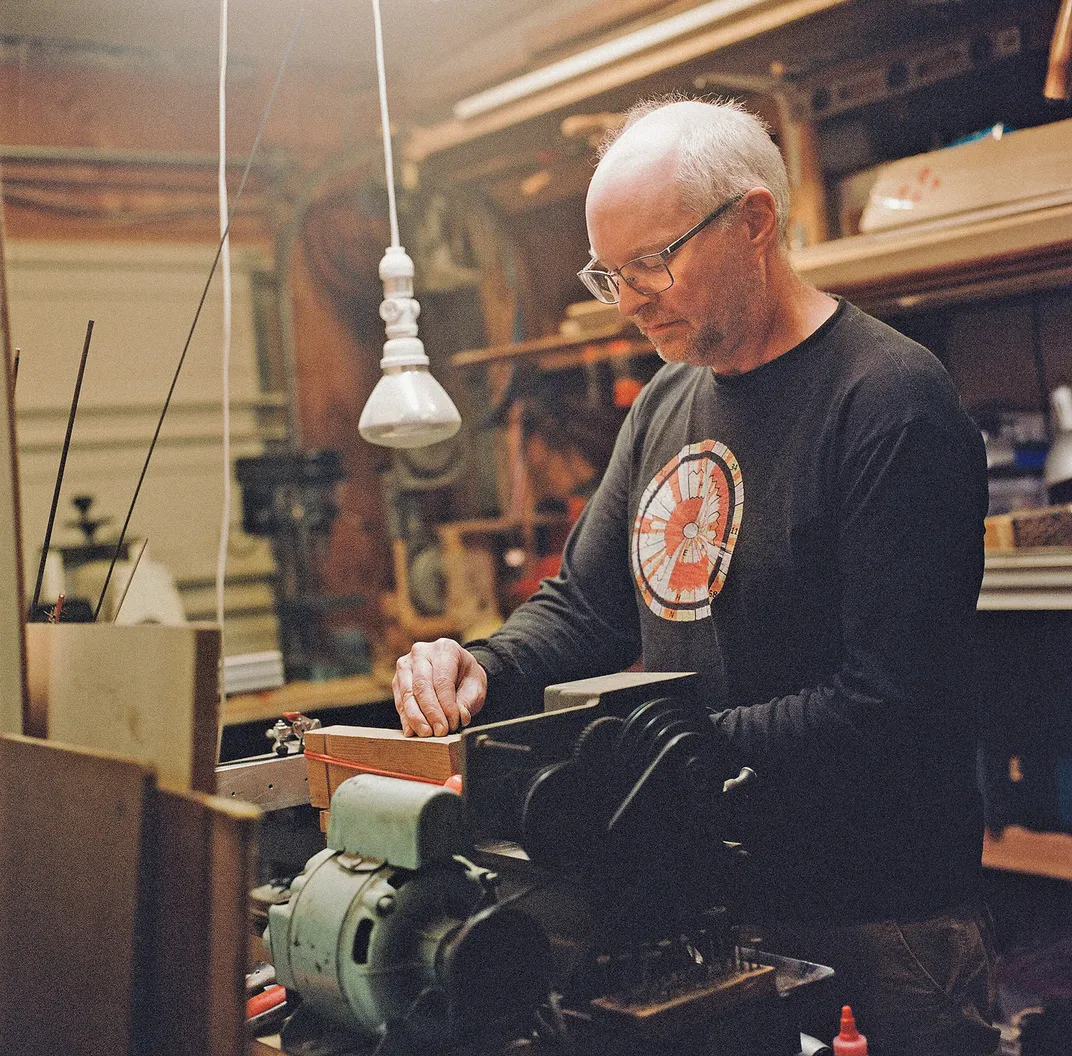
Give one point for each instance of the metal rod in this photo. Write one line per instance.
(59, 475)
(130, 579)
(15, 370)
(484, 741)
(197, 313)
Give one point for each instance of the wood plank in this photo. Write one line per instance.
(346, 692)
(233, 854)
(147, 691)
(432, 758)
(70, 860)
(666, 1017)
(203, 866)
(180, 936)
(12, 604)
(731, 29)
(557, 351)
(1019, 850)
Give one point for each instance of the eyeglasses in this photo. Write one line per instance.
(649, 274)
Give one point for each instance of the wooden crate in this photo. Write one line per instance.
(147, 692)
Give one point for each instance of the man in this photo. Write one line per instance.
(794, 509)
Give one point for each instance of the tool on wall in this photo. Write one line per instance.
(289, 497)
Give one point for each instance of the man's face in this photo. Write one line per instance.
(698, 320)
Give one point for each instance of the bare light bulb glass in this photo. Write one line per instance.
(408, 407)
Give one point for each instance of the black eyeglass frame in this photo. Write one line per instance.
(587, 273)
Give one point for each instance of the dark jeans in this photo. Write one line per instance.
(917, 988)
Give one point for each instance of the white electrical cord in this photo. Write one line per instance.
(385, 121)
(225, 267)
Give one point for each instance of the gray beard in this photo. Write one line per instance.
(701, 349)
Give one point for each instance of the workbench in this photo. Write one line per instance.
(306, 697)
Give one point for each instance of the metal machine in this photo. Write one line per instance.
(589, 915)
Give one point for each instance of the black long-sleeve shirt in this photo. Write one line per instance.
(808, 537)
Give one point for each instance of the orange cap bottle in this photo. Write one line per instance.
(849, 1042)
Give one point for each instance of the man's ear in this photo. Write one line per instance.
(760, 215)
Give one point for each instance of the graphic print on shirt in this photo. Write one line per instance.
(685, 531)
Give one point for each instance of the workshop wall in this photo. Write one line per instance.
(113, 147)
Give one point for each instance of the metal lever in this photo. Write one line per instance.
(740, 782)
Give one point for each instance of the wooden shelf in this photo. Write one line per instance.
(1003, 250)
(501, 525)
(559, 353)
(1019, 850)
(1027, 579)
(305, 697)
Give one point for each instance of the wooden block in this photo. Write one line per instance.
(667, 1017)
(149, 692)
(203, 866)
(70, 861)
(180, 935)
(371, 749)
(1051, 526)
(1047, 526)
(1021, 851)
(233, 854)
(998, 533)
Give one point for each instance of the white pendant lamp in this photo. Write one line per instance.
(408, 407)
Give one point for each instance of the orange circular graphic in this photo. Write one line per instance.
(685, 531)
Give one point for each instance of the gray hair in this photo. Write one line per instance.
(728, 152)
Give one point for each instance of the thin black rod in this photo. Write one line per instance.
(59, 475)
(197, 314)
(130, 579)
(1040, 364)
(15, 370)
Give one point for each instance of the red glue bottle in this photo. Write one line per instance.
(849, 1042)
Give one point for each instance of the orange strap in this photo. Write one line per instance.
(361, 769)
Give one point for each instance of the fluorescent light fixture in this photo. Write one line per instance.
(603, 55)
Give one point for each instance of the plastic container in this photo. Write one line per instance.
(849, 1042)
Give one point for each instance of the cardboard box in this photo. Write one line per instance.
(1030, 167)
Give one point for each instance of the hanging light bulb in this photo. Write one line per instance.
(408, 407)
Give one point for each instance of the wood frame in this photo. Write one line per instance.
(13, 701)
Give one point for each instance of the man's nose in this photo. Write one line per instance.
(629, 301)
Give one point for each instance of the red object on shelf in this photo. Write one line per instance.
(849, 1042)
(538, 569)
(626, 390)
(267, 999)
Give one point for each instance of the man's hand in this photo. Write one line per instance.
(438, 687)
